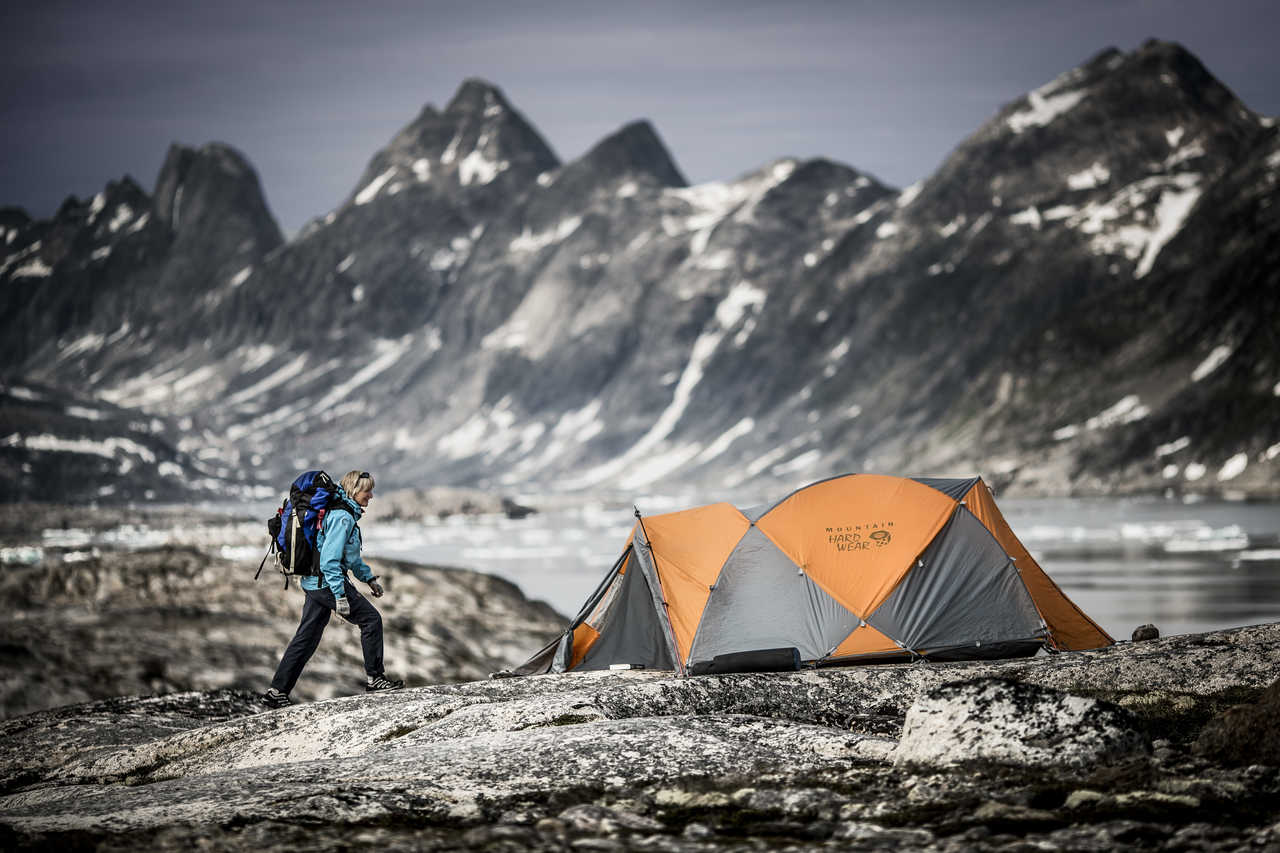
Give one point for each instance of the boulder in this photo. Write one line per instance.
(1245, 734)
(1145, 632)
(1007, 722)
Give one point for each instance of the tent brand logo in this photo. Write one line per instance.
(860, 537)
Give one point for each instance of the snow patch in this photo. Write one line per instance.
(345, 263)
(107, 447)
(952, 227)
(100, 253)
(725, 439)
(528, 242)
(1127, 410)
(33, 269)
(886, 229)
(124, 214)
(718, 260)
(388, 353)
(910, 194)
(1233, 467)
(1139, 240)
(1030, 216)
(1094, 176)
(1041, 110)
(91, 342)
(273, 380)
(421, 169)
(803, 462)
(241, 277)
(1212, 362)
(1173, 447)
(1171, 213)
(1194, 471)
(370, 192)
(728, 313)
(628, 189)
(357, 293)
(86, 413)
(476, 168)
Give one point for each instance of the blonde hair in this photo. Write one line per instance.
(356, 481)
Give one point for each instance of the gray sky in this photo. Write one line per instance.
(309, 91)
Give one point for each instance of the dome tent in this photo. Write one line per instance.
(856, 568)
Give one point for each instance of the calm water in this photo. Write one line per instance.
(1186, 567)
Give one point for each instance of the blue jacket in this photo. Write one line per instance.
(339, 542)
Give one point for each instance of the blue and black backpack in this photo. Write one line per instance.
(294, 527)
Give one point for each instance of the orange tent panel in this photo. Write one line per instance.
(856, 536)
(1070, 627)
(865, 640)
(584, 637)
(689, 547)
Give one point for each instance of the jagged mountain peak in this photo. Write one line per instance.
(476, 95)
(635, 149)
(478, 139)
(197, 187)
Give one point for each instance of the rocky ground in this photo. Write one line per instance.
(1163, 744)
(84, 623)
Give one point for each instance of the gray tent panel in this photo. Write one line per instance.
(630, 631)
(754, 513)
(954, 489)
(762, 601)
(967, 592)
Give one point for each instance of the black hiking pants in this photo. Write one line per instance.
(316, 608)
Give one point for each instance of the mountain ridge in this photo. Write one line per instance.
(1030, 310)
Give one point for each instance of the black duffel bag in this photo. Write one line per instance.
(756, 660)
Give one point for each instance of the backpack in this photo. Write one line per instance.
(295, 525)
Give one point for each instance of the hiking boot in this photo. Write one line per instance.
(381, 682)
(275, 699)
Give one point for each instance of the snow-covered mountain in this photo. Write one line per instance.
(1082, 298)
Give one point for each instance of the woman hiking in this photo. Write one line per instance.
(338, 542)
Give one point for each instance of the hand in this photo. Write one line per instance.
(376, 588)
(344, 606)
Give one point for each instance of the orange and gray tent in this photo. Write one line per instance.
(856, 568)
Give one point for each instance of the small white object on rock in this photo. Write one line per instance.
(1007, 722)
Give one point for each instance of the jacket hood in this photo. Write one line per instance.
(350, 503)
